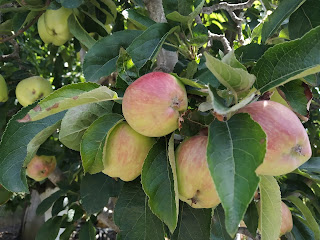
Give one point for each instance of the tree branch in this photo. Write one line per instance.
(222, 39)
(22, 30)
(227, 6)
(14, 54)
(245, 231)
(230, 8)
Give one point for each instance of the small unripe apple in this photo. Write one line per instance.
(3, 90)
(288, 144)
(53, 26)
(40, 167)
(125, 152)
(31, 89)
(286, 222)
(195, 183)
(153, 103)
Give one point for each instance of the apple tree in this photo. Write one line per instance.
(162, 119)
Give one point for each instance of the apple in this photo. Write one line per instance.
(53, 26)
(196, 186)
(286, 222)
(124, 152)
(40, 167)
(3, 90)
(31, 89)
(153, 103)
(288, 144)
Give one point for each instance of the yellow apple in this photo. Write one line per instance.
(31, 89)
(53, 26)
(125, 152)
(3, 90)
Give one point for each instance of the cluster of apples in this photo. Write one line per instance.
(152, 106)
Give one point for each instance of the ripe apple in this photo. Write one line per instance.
(195, 183)
(153, 103)
(40, 167)
(3, 90)
(288, 144)
(31, 89)
(286, 222)
(53, 26)
(125, 151)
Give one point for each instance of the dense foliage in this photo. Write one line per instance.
(227, 55)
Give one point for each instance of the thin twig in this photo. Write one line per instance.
(245, 231)
(222, 39)
(22, 30)
(14, 54)
(227, 6)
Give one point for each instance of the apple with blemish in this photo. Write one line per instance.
(124, 152)
(53, 26)
(196, 186)
(31, 89)
(288, 144)
(3, 90)
(153, 103)
(40, 167)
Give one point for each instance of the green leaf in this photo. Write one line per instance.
(312, 165)
(270, 208)
(96, 189)
(251, 52)
(67, 97)
(50, 229)
(77, 120)
(309, 219)
(231, 60)
(304, 19)
(295, 93)
(160, 190)
(67, 232)
(79, 32)
(13, 148)
(273, 22)
(235, 149)
(139, 20)
(300, 230)
(101, 59)
(70, 3)
(39, 139)
(193, 223)
(218, 228)
(134, 217)
(127, 71)
(288, 61)
(87, 231)
(186, 20)
(47, 203)
(5, 195)
(251, 218)
(235, 79)
(93, 141)
(189, 82)
(146, 46)
(218, 104)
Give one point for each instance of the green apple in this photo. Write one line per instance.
(3, 90)
(125, 151)
(31, 89)
(53, 26)
(40, 167)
